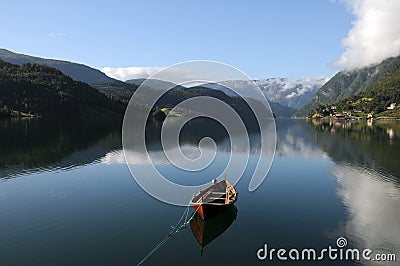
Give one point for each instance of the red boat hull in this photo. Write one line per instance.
(207, 211)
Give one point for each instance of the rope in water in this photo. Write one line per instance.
(174, 230)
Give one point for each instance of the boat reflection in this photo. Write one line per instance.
(207, 231)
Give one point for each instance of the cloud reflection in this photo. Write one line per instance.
(158, 157)
(290, 143)
(373, 204)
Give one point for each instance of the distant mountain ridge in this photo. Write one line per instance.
(346, 84)
(76, 71)
(280, 111)
(154, 83)
(291, 92)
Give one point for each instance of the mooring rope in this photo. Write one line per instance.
(174, 230)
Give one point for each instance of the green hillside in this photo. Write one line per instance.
(117, 90)
(40, 90)
(377, 99)
(175, 96)
(345, 84)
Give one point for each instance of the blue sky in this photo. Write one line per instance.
(282, 38)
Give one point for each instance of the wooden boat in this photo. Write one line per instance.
(207, 231)
(215, 199)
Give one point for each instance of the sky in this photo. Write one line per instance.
(275, 38)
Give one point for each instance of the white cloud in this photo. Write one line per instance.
(179, 73)
(186, 75)
(291, 95)
(125, 73)
(375, 33)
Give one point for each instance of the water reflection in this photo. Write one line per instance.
(373, 203)
(28, 146)
(206, 231)
(382, 130)
(292, 141)
(340, 177)
(367, 171)
(373, 146)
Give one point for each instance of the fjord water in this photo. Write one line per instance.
(68, 198)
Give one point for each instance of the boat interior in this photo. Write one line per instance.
(220, 193)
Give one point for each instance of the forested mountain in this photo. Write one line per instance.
(180, 93)
(291, 92)
(380, 99)
(45, 91)
(345, 84)
(76, 71)
(173, 97)
(117, 90)
(282, 111)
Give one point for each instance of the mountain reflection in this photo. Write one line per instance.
(40, 145)
(372, 145)
(367, 171)
(292, 141)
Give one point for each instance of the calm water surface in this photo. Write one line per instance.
(67, 196)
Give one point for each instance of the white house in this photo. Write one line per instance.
(392, 106)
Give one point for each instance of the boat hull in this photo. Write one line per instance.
(209, 210)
